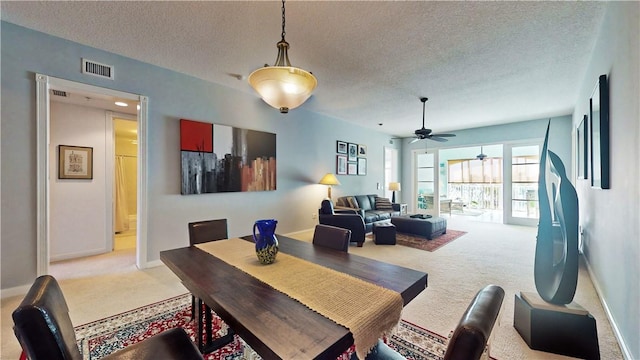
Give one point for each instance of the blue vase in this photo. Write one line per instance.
(265, 239)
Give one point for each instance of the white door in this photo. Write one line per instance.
(521, 190)
(425, 183)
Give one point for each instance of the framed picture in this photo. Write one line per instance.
(362, 150)
(341, 147)
(209, 163)
(352, 151)
(599, 121)
(341, 164)
(352, 168)
(75, 162)
(362, 166)
(582, 149)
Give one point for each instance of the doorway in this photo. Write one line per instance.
(125, 182)
(47, 160)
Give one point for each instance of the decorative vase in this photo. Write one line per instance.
(265, 239)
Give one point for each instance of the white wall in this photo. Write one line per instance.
(611, 220)
(78, 207)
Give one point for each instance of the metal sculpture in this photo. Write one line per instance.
(556, 258)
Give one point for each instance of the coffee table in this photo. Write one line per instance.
(429, 228)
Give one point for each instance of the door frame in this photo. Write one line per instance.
(436, 181)
(507, 161)
(43, 121)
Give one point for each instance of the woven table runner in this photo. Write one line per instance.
(369, 311)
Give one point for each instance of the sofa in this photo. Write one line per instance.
(372, 208)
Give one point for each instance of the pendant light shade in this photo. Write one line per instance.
(283, 86)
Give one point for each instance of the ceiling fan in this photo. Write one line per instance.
(482, 155)
(424, 133)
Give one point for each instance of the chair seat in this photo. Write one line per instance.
(170, 344)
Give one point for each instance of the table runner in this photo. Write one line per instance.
(369, 311)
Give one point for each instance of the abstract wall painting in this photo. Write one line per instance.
(219, 158)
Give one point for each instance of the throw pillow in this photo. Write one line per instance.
(383, 204)
(353, 203)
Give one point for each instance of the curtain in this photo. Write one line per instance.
(122, 213)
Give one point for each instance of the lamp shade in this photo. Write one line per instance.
(394, 186)
(329, 179)
(283, 87)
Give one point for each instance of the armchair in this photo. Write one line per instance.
(343, 218)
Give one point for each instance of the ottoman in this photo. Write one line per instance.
(429, 228)
(384, 234)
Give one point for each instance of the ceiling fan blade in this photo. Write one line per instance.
(439, 139)
(445, 135)
(414, 140)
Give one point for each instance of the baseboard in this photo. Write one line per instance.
(69, 256)
(626, 352)
(14, 291)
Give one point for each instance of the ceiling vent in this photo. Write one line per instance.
(96, 69)
(59, 93)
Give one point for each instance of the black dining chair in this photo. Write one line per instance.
(332, 237)
(45, 332)
(202, 232)
(470, 337)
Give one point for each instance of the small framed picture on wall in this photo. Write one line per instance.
(353, 151)
(75, 162)
(341, 164)
(352, 168)
(362, 150)
(362, 166)
(341, 147)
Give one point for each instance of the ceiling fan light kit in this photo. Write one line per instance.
(424, 133)
(283, 86)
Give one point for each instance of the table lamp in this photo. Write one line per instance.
(394, 186)
(329, 179)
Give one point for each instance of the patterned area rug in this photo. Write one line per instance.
(100, 338)
(422, 243)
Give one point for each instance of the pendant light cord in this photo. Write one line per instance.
(283, 33)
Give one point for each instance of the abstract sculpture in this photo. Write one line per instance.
(556, 258)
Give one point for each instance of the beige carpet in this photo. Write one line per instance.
(488, 253)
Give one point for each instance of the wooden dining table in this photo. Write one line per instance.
(275, 325)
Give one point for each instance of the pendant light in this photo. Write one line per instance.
(283, 86)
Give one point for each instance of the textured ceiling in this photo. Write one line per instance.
(480, 63)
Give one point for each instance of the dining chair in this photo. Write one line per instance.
(332, 237)
(43, 327)
(202, 232)
(469, 339)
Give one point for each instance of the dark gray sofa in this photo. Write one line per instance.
(365, 206)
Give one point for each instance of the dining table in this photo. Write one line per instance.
(272, 323)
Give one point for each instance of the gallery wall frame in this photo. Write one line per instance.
(75, 162)
(599, 134)
(352, 152)
(341, 147)
(352, 168)
(582, 151)
(362, 150)
(362, 166)
(341, 164)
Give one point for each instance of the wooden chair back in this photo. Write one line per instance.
(208, 230)
(332, 237)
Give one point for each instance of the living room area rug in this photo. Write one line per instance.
(422, 243)
(103, 337)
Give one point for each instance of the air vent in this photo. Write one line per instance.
(95, 68)
(59, 93)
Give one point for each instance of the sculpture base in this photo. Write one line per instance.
(560, 329)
